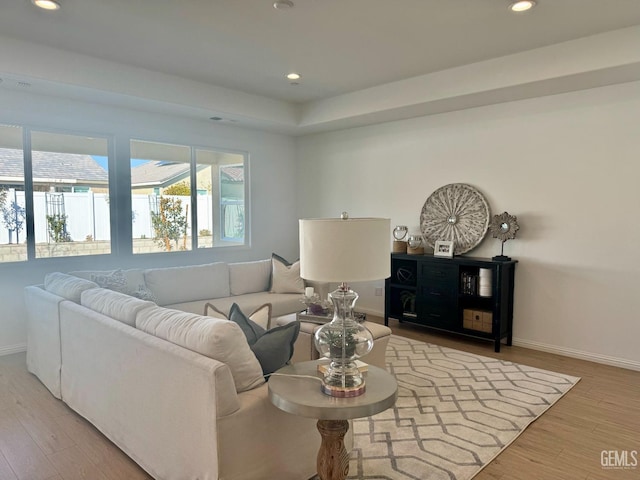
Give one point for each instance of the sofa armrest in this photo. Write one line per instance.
(157, 401)
(43, 336)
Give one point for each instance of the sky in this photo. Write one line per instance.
(103, 161)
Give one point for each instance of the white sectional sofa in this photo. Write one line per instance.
(180, 413)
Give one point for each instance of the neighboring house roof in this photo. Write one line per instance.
(158, 174)
(49, 167)
(233, 174)
(163, 174)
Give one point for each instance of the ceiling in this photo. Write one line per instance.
(339, 46)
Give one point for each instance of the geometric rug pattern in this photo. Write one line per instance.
(455, 412)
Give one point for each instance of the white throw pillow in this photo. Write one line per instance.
(285, 277)
(129, 281)
(215, 338)
(67, 286)
(249, 277)
(261, 315)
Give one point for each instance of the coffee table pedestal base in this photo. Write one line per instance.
(333, 459)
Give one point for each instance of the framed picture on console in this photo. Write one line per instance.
(443, 248)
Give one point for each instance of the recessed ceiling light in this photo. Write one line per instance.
(294, 76)
(46, 4)
(282, 4)
(522, 6)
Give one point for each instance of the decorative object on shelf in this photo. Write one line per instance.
(414, 245)
(457, 212)
(468, 283)
(503, 227)
(406, 276)
(485, 285)
(360, 316)
(400, 232)
(408, 300)
(333, 250)
(443, 248)
(399, 244)
(315, 305)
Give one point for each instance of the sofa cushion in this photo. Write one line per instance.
(249, 277)
(185, 284)
(116, 305)
(274, 348)
(215, 338)
(285, 276)
(67, 286)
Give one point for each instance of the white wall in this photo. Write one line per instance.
(566, 165)
(271, 173)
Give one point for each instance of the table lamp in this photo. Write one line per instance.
(344, 250)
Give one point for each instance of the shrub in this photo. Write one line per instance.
(169, 223)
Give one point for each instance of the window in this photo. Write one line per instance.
(13, 247)
(55, 196)
(58, 189)
(221, 184)
(184, 197)
(70, 195)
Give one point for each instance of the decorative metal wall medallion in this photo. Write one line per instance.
(457, 212)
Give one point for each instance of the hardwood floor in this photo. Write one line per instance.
(40, 438)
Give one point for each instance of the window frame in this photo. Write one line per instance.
(29, 190)
(216, 203)
(119, 188)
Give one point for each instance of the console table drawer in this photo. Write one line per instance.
(437, 293)
(438, 273)
(437, 314)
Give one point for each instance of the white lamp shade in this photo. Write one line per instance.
(351, 250)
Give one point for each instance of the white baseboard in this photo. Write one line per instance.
(9, 349)
(582, 355)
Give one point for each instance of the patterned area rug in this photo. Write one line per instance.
(455, 412)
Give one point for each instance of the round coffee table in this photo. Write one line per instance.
(302, 396)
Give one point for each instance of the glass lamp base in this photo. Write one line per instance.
(343, 380)
(343, 340)
(343, 392)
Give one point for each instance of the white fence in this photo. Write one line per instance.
(88, 215)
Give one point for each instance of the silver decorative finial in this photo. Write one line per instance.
(344, 216)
